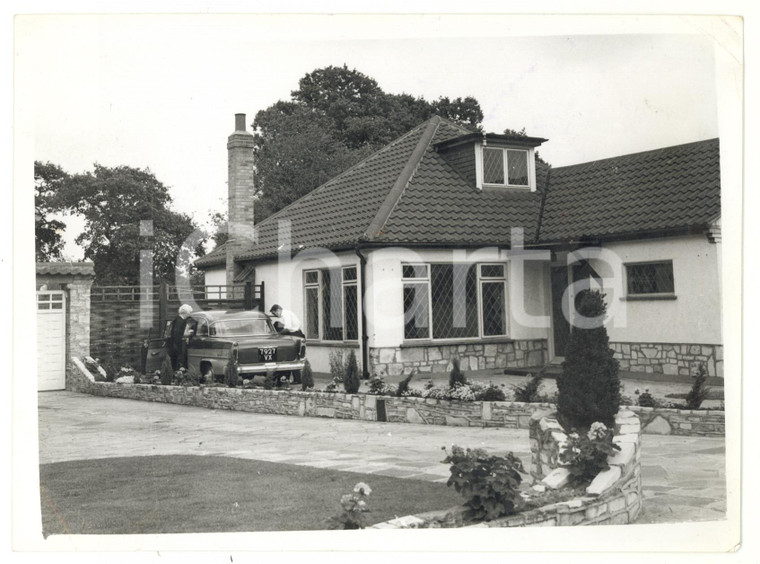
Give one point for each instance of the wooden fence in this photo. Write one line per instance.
(122, 318)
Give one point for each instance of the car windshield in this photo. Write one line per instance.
(237, 327)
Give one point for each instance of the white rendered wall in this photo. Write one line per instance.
(693, 317)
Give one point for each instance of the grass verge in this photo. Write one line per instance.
(205, 494)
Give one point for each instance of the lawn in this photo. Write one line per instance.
(199, 494)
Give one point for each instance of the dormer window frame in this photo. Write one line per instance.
(479, 171)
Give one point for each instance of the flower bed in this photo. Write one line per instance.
(366, 407)
(612, 498)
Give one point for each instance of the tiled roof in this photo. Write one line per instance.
(436, 206)
(665, 189)
(65, 268)
(217, 256)
(407, 194)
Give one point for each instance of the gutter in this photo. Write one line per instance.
(364, 343)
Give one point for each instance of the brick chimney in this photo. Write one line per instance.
(240, 195)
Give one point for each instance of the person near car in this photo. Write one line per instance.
(286, 322)
(177, 349)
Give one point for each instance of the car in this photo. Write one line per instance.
(249, 337)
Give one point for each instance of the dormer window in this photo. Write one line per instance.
(505, 167)
(493, 161)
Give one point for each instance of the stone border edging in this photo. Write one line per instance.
(612, 498)
(366, 407)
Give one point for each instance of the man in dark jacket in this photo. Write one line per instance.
(176, 344)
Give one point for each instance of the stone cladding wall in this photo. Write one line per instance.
(427, 411)
(672, 359)
(395, 361)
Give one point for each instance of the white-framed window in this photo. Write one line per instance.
(505, 167)
(454, 301)
(650, 279)
(331, 304)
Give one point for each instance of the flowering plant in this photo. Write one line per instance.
(585, 454)
(354, 506)
(488, 483)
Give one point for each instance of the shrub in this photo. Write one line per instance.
(488, 483)
(529, 392)
(230, 373)
(351, 381)
(585, 455)
(354, 506)
(269, 381)
(307, 376)
(336, 365)
(378, 387)
(589, 386)
(403, 386)
(646, 399)
(699, 389)
(491, 393)
(167, 372)
(456, 378)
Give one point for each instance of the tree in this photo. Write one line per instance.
(335, 118)
(113, 203)
(48, 179)
(589, 386)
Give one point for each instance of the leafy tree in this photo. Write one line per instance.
(334, 119)
(48, 179)
(589, 386)
(113, 202)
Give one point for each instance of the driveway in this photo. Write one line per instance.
(76, 426)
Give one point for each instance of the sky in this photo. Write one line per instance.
(161, 91)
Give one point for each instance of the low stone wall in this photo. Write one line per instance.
(612, 498)
(428, 358)
(665, 358)
(365, 407)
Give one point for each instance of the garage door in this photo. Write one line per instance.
(51, 341)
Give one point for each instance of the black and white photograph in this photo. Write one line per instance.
(373, 282)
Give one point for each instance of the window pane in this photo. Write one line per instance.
(349, 274)
(58, 305)
(350, 307)
(312, 313)
(416, 311)
(494, 317)
(43, 306)
(517, 161)
(653, 278)
(312, 277)
(454, 297)
(493, 166)
(57, 297)
(492, 271)
(332, 306)
(414, 271)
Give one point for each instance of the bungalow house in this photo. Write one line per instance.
(451, 243)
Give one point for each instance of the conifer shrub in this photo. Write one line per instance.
(351, 381)
(456, 377)
(529, 392)
(230, 373)
(307, 376)
(589, 386)
(167, 372)
(403, 386)
(699, 389)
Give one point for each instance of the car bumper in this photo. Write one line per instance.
(271, 367)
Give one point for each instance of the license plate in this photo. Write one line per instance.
(267, 353)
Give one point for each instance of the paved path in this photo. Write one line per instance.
(77, 426)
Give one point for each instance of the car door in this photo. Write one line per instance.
(157, 350)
